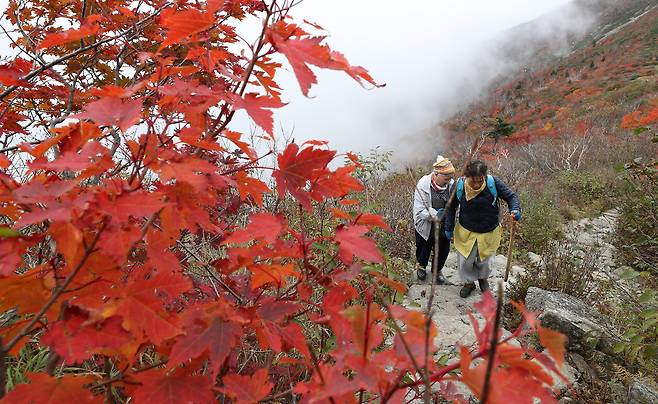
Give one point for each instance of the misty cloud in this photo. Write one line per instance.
(434, 56)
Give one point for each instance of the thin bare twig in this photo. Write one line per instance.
(250, 68)
(68, 56)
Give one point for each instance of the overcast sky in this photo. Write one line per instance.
(421, 49)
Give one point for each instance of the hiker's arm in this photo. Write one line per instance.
(509, 196)
(421, 207)
(450, 213)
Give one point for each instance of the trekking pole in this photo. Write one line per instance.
(509, 249)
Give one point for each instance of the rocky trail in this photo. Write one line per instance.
(569, 315)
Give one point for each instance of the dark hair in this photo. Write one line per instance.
(476, 168)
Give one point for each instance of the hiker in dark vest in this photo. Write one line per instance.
(430, 199)
(477, 234)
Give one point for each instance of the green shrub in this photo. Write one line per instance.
(583, 193)
(563, 269)
(636, 236)
(390, 195)
(542, 222)
(584, 186)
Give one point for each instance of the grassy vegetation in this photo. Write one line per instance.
(637, 237)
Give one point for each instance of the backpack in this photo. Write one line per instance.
(491, 186)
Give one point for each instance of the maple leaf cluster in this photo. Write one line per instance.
(135, 222)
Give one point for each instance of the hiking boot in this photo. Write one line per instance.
(421, 274)
(440, 279)
(484, 284)
(467, 290)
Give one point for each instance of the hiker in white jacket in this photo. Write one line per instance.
(430, 199)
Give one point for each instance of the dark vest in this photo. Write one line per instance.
(439, 198)
(479, 214)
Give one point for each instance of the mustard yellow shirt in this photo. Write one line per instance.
(488, 243)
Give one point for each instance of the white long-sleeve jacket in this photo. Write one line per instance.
(423, 206)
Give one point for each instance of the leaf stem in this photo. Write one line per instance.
(494, 345)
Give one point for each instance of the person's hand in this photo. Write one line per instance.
(516, 215)
(448, 234)
(436, 213)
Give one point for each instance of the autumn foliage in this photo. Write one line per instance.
(118, 159)
(596, 85)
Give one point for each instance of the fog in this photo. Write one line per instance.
(433, 56)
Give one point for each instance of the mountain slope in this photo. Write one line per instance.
(611, 70)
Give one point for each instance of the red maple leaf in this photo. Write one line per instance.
(4, 162)
(194, 137)
(340, 214)
(302, 50)
(136, 204)
(297, 167)
(250, 187)
(46, 389)
(650, 118)
(517, 357)
(29, 291)
(76, 341)
(91, 154)
(352, 242)
(366, 332)
(354, 159)
(68, 239)
(336, 184)
(59, 38)
(370, 220)
(212, 336)
(142, 307)
(264, 226)
(10, 255)
(177, 388)
(554, 342)
(110, 111)
(56, 211)
(631, 120)
(247, 389)
(507, 385)
(181, 25)
(243, 146)
(11, 76)
(271, 273)
(259, 109)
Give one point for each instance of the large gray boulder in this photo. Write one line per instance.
(584, 327)
(640, 393)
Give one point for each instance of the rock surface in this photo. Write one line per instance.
(450, 310)
(584, 327)
(593, 234)
(640, 393)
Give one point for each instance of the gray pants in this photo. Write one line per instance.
(471, 268)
